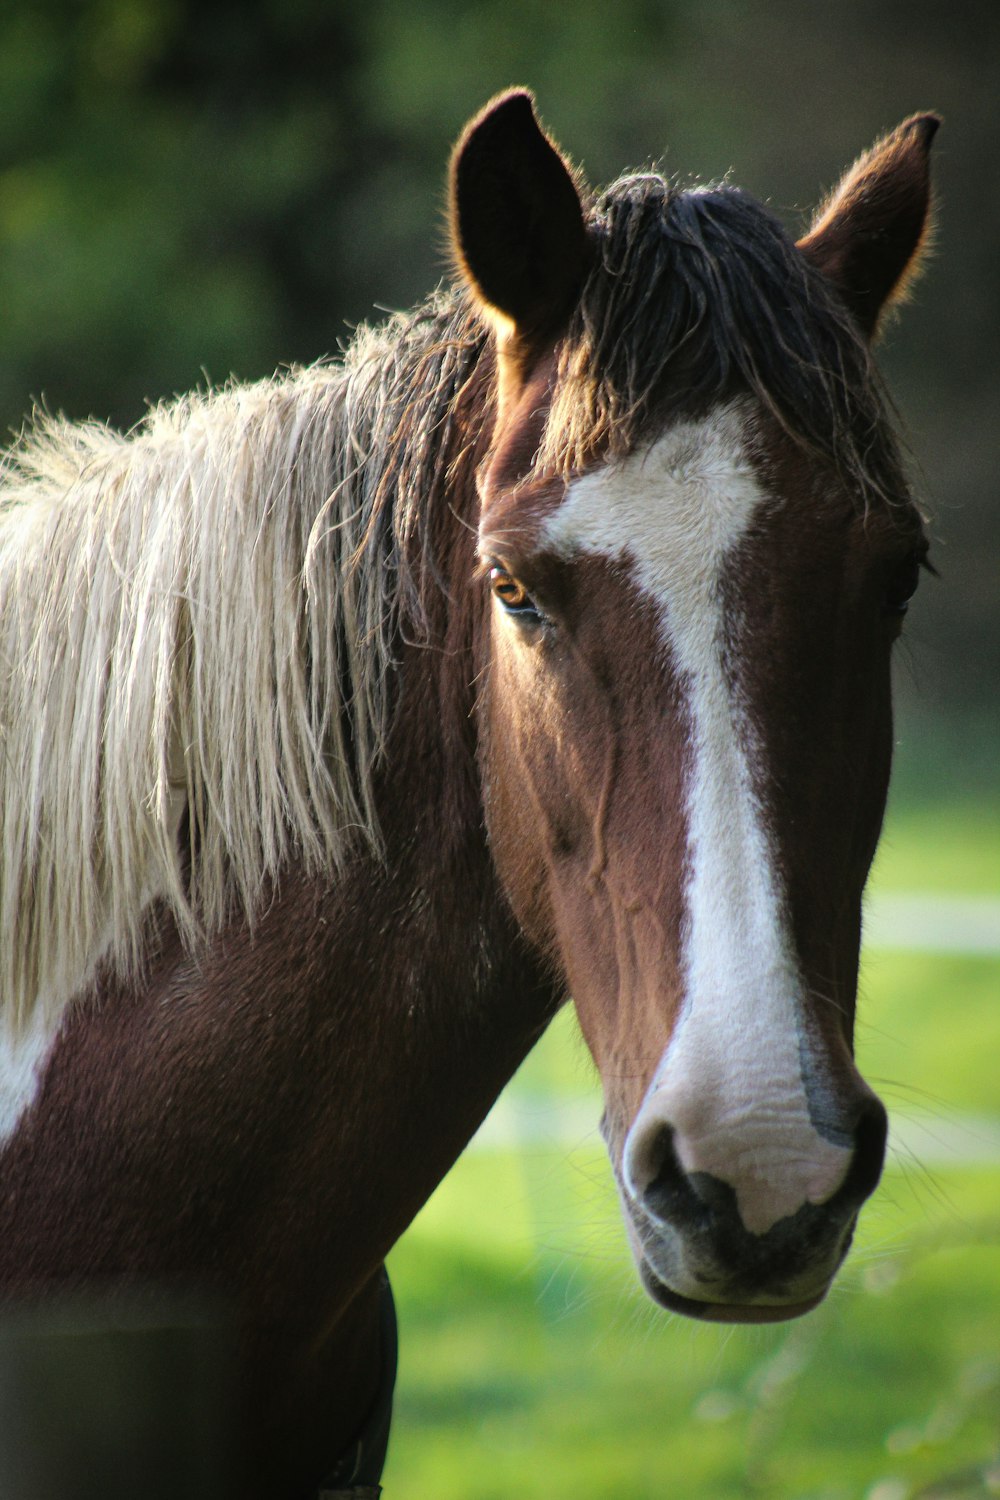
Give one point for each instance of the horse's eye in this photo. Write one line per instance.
(901, 587)
(512, 595)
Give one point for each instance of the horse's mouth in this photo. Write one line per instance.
(723, 1312)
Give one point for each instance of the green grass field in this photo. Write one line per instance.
(531, 1364)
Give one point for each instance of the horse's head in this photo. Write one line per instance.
(699, 548)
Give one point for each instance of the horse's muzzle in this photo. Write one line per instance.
(696, 1255)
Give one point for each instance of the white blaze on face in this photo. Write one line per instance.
(730, 1083)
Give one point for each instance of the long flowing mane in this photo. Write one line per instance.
(199, 622)
(197, 631)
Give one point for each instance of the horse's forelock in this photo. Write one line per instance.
(699, 296)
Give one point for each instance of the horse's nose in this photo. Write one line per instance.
(697, 1171)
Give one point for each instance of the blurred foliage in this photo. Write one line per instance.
(191, 190)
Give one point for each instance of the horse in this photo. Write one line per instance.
(537, 646)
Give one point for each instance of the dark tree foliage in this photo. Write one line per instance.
(190, 188)
(172, 175)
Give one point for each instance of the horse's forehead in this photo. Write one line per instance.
(674, 511)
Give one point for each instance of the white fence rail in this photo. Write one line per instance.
(926, 923)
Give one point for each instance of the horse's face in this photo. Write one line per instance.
(686, 743)
(687, 752)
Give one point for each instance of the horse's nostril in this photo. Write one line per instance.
(870, 1134)
(663, 1189)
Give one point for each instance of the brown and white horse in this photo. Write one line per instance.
(353, 720)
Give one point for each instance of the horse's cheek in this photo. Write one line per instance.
(525, 800)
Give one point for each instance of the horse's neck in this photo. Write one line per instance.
(268, 1118)
(382, 1004)
(265, 1116)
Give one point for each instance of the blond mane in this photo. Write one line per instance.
(195, 630)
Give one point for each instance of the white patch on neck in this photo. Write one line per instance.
(730, 1082)
(21, 1070)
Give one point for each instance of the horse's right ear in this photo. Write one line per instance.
(517, 225)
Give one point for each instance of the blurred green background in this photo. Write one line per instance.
(190, 190)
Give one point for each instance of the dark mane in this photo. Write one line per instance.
(696, 297)
(416, 377)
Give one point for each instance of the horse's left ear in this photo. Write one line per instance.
(868, 239)
(517, 226)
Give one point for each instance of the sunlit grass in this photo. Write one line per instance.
(532, 1366)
